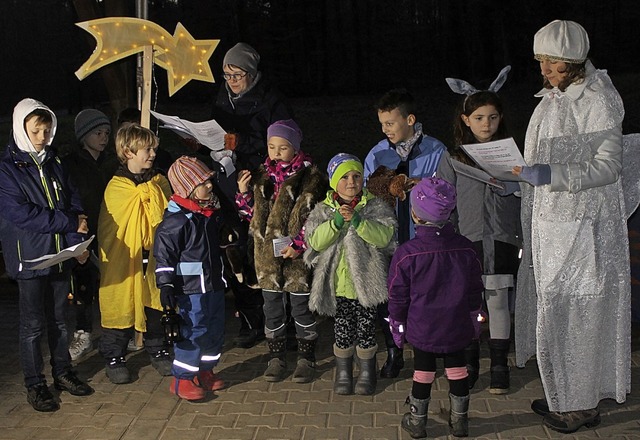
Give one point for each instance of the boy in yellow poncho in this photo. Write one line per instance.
(133, 205)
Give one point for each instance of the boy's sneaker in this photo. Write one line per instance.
(69, 382)
(117, 370)
(162, 362)
(131, 346)
(41, 398)
(210, 381)
(187, 389)
(81, 345)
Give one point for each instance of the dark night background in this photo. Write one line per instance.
(313, 48)
(332, 58)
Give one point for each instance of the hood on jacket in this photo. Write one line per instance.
(20, 136)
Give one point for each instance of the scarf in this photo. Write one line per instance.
(404, 148)
(352, 204)
(280, 171)
(204, 207)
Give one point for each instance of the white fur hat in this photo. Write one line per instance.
(562, 40)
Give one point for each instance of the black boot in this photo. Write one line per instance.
(368, 379)
(459, 415)
(251, 328)
(415, 421)
(393, 364)
(306, 365)
(472, 356)
(277, 367)
(500, 382)
(344, 370)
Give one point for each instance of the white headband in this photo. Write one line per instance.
(464, 88)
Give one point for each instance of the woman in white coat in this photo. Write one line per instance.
(573, 300)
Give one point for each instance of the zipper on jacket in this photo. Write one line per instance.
(43, 180)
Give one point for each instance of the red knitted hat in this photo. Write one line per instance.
(186, 173)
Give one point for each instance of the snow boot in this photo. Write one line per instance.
(344, 370)
(368, 378)
(277, 367)
(306, 365)
(415, 421)
(459, 415)
(500, 382)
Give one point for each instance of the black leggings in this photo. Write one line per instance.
(426, 361)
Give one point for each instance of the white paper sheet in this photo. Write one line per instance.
(208, 133)
(497, 157)
(65, 254)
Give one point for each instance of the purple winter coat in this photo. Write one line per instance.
(435, 287)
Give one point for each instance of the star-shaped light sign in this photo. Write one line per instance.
(184, 57)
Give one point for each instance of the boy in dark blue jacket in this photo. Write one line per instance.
(189, 275)
(40, 215)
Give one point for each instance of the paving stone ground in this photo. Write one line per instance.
(252, 409)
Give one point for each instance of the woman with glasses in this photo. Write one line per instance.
(246, 106)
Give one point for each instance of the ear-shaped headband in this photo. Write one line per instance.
(464, 88)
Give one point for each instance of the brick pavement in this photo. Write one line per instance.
(252, 409)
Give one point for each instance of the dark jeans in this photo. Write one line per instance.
(43, 304)
(85, 285)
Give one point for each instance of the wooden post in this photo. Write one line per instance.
(147, 66)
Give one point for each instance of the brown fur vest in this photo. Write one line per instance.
(283, 217)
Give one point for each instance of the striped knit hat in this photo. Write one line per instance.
(186, 173)
(88, 120)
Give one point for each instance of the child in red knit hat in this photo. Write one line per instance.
(190, 277)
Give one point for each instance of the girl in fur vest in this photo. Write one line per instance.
(350, 238)
(277, 202)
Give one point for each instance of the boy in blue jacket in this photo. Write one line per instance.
(40, 215)
(189, 275)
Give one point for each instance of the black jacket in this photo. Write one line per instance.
(249, 116)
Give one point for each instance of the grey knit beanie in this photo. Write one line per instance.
(88, 120)
(243, 56)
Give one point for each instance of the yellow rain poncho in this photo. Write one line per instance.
(129, 216)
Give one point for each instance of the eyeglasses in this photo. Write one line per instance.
(235, 77)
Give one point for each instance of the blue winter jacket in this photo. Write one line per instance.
(422, 162)
(39, 211)
(187, 251)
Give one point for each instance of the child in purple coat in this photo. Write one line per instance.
(435, 295)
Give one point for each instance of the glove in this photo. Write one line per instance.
(355, 219)
(338, 219)
(507, 189)
(230, 141)
(218, 155)
(397, 331)
(168, 297)
(536, 175)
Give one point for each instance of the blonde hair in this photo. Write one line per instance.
(133, 137)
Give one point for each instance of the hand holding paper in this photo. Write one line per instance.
(74, 251)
